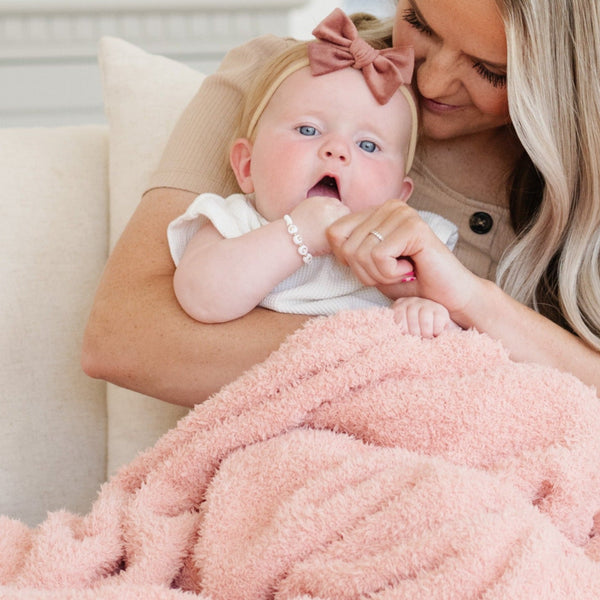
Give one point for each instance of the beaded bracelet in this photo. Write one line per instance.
(297, 239)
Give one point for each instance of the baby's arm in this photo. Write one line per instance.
(422, 317)
(220, 279)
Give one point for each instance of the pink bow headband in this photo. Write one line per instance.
(339, 46)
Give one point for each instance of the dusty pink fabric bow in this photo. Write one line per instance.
(338, 46)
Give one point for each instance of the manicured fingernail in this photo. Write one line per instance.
(408, 277)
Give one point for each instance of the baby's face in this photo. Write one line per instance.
(328, 136)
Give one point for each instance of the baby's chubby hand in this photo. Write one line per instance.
(313, 216)
(422, 317)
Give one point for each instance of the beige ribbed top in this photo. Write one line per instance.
(196, 158)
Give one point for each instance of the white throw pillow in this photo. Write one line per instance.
(144, 94)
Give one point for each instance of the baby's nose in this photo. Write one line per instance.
(336, 149)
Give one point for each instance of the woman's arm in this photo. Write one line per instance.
(527, 335)
(139, 338)
(472, 302)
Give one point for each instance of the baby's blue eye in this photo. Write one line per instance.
(307, 130)
(367, 146)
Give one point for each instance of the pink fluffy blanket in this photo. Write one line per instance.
(354, 462)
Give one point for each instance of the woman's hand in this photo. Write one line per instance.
(410, 260)
(472, 302)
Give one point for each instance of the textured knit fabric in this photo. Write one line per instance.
(322, 287)
(355, 462)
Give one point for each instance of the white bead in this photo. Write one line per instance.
(297, 239)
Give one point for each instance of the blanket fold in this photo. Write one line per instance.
(354, 462)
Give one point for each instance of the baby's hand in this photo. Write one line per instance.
(422, 317)
(313, 216)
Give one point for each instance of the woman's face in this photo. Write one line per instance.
(460, 64)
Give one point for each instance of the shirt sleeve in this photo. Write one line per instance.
(446, 230)
(232, 217)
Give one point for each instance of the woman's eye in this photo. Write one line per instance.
(411, 17)
(495, 79)
(307, 130)
(368, 146)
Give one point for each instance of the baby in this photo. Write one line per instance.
(329, 129)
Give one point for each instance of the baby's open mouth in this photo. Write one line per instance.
(327, 186)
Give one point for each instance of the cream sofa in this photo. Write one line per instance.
(66, 195)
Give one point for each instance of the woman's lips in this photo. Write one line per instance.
(437, 107)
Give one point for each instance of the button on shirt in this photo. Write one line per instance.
(484, 230)
(481, 222)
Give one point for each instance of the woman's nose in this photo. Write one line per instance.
(436, 74)
(335, 148)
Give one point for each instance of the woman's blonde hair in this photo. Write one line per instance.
(554, 100)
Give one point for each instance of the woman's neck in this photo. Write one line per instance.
(477, 166)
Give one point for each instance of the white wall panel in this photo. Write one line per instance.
(48, 66)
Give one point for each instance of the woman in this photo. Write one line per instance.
(510, 111)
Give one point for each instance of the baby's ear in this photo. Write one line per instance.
(406, 189)
(240, 158)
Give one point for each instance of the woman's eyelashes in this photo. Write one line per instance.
(494, 79)
(411, 17)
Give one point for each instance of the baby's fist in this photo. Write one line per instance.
(313, 216)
